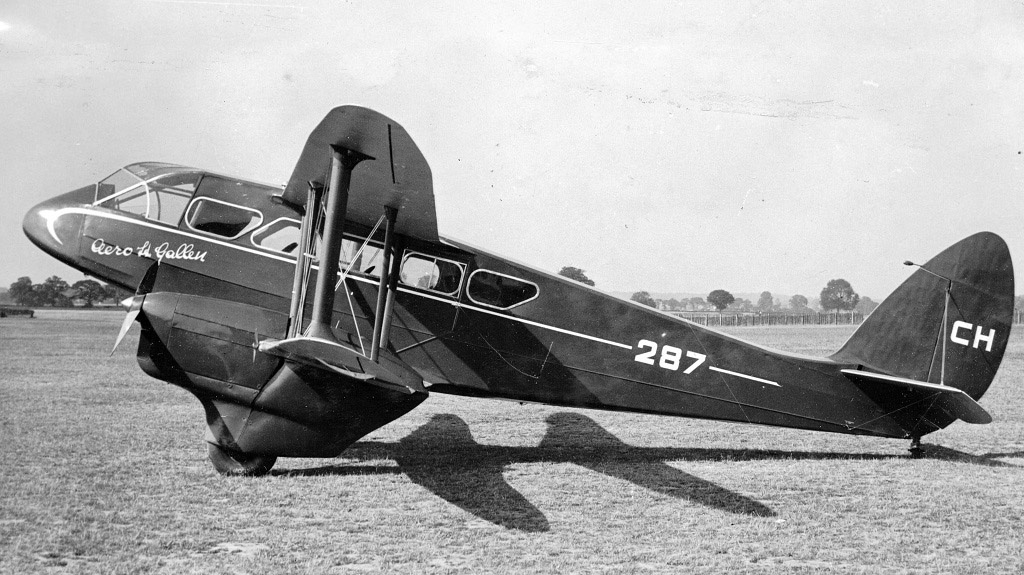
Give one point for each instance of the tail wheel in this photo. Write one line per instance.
(239, 464)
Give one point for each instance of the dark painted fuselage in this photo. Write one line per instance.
(215, 297)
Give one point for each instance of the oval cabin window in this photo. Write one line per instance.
(499, 290)
(221, 218)
(431, 273)
(280, 235)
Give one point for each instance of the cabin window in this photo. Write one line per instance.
(281, 235)
(116, 183)
(170, 196)
(368, 262)
(221, 218)
(431, 273)
(162, 199)
(135, 201)
(499, 290)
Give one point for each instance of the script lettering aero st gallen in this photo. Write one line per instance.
(147, 250)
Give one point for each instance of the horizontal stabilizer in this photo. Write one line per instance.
(953, 401)
(389, 372)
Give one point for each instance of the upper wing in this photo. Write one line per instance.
(397, 176)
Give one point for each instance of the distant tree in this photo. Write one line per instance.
(742, 304)
(644, 298)
(720, 299)
(697, 303)
(576, 274)
(112, 292)
(866, 305)
(21, 292)
(54, 291)
(673, 304)
(798, 302)
(765, 302)
(838, 294)
(90, 291)
(1018, 303)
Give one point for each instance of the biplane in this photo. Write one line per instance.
(305, 317)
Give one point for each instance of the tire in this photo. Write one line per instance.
(233, 463)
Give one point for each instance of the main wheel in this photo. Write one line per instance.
(235, 463)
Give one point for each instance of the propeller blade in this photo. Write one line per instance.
(127, 324)
(146, 285)
(134, 304)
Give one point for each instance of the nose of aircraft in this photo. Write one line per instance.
(55, 225)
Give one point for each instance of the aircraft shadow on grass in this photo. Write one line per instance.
(443, 457)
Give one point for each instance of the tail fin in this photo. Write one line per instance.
(906, 336)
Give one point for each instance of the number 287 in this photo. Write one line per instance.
(669, 358)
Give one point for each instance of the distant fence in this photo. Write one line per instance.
(820, 318)
(13, 311)
(751, 319)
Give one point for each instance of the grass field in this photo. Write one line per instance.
(104, 470)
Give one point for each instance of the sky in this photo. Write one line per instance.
(669, 147)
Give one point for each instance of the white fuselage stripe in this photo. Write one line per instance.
(743, 375)
(131, 220)
(534, 323)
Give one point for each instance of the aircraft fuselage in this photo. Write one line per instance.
(538, 338)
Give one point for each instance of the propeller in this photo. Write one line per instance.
(134, 304)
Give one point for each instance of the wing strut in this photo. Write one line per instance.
(389, 305)
(343, 160)
(384, 289)
(304, 260)
(318, 346)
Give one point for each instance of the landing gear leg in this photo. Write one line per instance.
(916, 451)
(239, 464)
